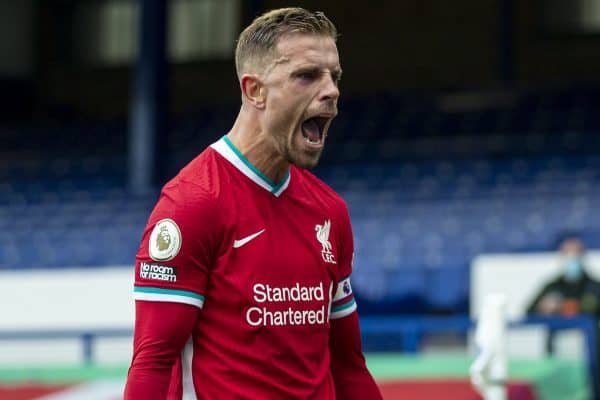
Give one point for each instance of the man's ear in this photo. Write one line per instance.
(253, 90)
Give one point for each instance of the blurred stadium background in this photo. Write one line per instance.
(467, 129)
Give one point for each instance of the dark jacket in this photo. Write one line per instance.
(585, 293)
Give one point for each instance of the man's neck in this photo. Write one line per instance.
(255, 144)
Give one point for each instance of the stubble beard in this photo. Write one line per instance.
(288, 146)
(301, 159)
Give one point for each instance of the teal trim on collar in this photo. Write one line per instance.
(283, 181)
(274, 187)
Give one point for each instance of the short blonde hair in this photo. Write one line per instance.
(257, 42)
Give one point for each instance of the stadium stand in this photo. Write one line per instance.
(430, 182)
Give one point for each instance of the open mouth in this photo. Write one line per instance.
(313, 129)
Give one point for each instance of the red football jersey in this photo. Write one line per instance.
(269, 265)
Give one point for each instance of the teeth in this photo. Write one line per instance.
(311, 142)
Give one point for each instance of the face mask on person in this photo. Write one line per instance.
(573, 269)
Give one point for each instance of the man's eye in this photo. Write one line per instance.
(308, 75)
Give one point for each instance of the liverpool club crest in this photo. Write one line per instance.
(323, 238)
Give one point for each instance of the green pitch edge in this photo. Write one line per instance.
(553, 379)
(421, 365)
(61, 374)
(382, 366)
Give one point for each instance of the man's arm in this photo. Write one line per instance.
(353, 381)
(176, 243)
(161, 331)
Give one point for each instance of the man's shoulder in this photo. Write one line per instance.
(556, 283)
(198, 182)
(316, 186)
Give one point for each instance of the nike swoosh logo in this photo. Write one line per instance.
(243, 241)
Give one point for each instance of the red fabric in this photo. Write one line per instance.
(161, 331)
(263, 331)
(197, 216)
(447, 389)
(28, 391)
(352, 379)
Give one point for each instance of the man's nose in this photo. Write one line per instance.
(330, 90)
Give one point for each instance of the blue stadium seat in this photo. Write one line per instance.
(427, 189)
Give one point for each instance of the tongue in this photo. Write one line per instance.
(310, 129)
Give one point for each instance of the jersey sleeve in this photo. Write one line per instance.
(161, 331)
(352, 379)
(178, 247)
(343, 302)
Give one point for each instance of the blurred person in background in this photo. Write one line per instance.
(247, 256)
(574, 291)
